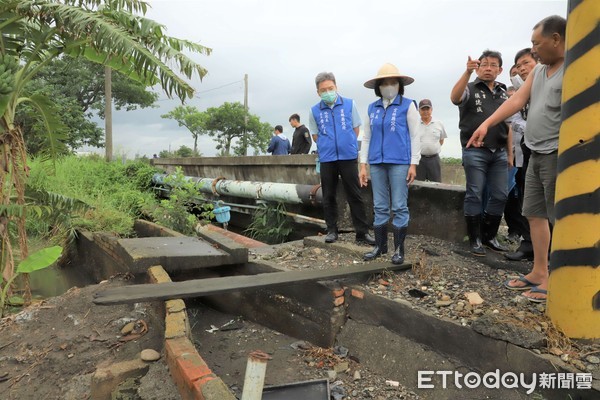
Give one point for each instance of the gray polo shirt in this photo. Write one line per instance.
(543, 118)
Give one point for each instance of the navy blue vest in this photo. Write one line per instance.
(390, 138)
(336, 139)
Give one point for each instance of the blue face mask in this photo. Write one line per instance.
(329, 96)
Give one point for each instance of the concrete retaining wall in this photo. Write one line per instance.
(99, 254)
(311, 311)
(299, 169)
(327, 313)
(435, 209)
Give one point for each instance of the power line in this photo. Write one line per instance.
(209, 90)
(220, 87)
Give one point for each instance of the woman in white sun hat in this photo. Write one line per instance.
(392, 149)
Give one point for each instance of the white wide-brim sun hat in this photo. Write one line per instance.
(388, 71)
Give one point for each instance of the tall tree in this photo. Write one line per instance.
(191, 118)
(36, 32)
(226, 125)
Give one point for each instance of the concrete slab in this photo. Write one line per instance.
(173, 253)
(216, 236)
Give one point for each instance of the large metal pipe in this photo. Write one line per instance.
(288, 193)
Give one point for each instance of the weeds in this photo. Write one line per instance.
(424, 271)
(114, 193)
(181, 210)
(270, 224)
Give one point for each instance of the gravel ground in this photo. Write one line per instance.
(443, 274)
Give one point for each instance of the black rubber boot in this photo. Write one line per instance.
(332, 235)
(366, 238)
(381, 243)
(399, 236)
(474, 232)
(489, 229)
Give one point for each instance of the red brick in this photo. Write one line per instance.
(338, 301)
(358, 294)
(338, 292)
(184, 358)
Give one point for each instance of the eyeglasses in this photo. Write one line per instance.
(485, 65)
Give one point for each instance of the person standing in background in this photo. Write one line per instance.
(524, 64)
(432, 134)
(301, 140)
(279, 145)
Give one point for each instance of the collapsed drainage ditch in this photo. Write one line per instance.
(387, 342)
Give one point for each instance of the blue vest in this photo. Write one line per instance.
(390, 138)
(336, 139)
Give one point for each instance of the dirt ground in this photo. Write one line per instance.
(51, 349)
(292, 361)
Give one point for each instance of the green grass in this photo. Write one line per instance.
(116, 193)
(451, 161)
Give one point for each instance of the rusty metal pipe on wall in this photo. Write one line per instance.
(288, 193)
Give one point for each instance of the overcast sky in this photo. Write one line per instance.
(282, 45)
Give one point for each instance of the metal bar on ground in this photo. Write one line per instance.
(226, 284)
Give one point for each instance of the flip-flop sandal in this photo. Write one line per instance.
(536, 289)
(527, 282)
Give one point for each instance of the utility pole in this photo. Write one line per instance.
(574, 289)
(245, 137)
(108, 112)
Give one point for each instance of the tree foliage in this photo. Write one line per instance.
(191, 118)
(226, 124)
(34, 33)
(77, 90)
(84, 80)
(229, 125)
(182, 152)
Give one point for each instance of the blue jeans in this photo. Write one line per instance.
(389, 181)
(484, 168)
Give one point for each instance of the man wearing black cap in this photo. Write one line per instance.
(432, 135)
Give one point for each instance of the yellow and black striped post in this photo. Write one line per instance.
(574, 291)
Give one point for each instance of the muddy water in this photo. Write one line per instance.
(55, 280)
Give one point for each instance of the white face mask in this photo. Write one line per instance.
(389, 92)
(516, 81)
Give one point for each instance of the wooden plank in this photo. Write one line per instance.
(211, 286)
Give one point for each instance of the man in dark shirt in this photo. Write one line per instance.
(485, 165)
(301, 140)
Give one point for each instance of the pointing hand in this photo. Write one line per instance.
(472, 65)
